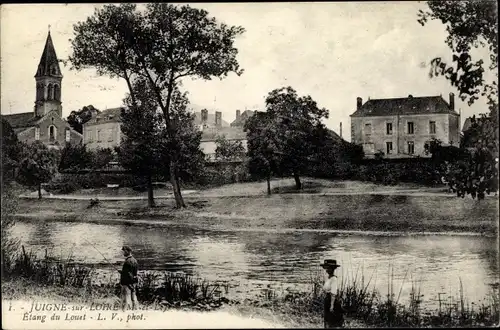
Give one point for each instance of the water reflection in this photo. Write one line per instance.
(250, 260)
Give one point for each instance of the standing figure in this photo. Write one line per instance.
(128, 280)
(333, 312)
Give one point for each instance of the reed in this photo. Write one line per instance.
(369, 307)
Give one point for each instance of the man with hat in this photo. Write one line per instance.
(128, 280)
(333, 313)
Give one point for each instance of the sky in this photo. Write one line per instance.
(334, 52)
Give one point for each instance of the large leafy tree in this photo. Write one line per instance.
(38, 165)
(146, 149)
(298, 129)
(140, 147)
(263, 149)
(163, 44)
(470, 25)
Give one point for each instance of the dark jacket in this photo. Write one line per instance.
(129, 271)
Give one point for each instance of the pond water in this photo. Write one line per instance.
(250, 260)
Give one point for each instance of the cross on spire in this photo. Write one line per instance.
(49, 28)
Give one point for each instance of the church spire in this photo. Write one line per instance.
(49, 65)
(48, 80)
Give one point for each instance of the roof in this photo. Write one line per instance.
(334, 135)
(19, 120)
(210, 119)
(108, 115)
(49, 65)
(467, 124)
(231, 133)
(243, 118)
(404, 106)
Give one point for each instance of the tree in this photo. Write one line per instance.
(263, 153)
(77, 119)
(470, 24)
(101, 157)
(75, 157)
(146, 149)
(163, 44)
(227, 150)
(298, 129)
(38, 165)
(140, 149)
(11, 150)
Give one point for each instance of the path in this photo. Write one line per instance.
(197, 194)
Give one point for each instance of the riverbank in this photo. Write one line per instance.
(20, 294)
(281, 212)
(292, 310)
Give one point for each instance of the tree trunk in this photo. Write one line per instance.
(298, 184)
(269, 185)
(151, 199)
(174, 180)
(39, 191)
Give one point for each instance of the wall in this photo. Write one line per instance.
(110, 135)
(378, 136)
(208, 147)
(29, 135)
(454, 129)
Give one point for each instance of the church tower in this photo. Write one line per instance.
(48, 82)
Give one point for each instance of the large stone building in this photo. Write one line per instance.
(212, 129)
(103, 130)
(400, 127)
(45, 122)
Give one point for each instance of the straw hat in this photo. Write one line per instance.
(330, 263)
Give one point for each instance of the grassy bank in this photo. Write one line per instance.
(284, 211)
(62, 281)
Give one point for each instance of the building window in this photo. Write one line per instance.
(432, 127)
(410, 128)
(89, 135)
(52, 133)
(411, 148)
(388, 128)
(37, 133)
(388, 147)
(50, 93)
(57, 92)
(368, 129)
(68, 135)
(98, 135)
(111, 134)
(369, 148)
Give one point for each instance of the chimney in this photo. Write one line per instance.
(204, 116)
(359, 103)
(218, 119)
(452, 101)
(238, 115)
(340, 129)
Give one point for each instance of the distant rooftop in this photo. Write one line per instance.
(404, 106)
(231, 133)
(108, 115)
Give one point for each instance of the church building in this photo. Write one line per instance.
(45, 122)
